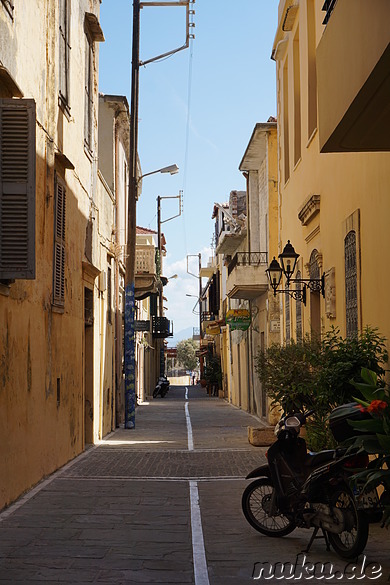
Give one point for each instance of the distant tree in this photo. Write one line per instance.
(186, 354)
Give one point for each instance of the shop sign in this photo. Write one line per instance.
(213, 328)
(238, 319)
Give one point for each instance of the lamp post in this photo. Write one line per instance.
(130, 365)
(288, 259)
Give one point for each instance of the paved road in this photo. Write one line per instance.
(158, 504)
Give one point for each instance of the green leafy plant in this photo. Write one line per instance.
(212, 371)
(317, 373)
(186, 354)
(375, 434)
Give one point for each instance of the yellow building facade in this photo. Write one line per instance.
(57, 243)
(333, 206)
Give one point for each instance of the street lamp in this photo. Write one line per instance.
(288, 259)
(171, 169)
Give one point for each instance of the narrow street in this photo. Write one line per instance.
(158, 504)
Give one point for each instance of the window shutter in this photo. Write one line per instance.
(17, 189)
(59, 245)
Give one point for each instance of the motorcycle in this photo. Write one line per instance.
(297, 488)
(162, 387)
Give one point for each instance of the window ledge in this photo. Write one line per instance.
(57, 309)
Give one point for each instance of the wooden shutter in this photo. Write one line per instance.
(59, 244)
(17, 188)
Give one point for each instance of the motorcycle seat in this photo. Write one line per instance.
(316, 459)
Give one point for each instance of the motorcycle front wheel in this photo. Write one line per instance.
(256, 505)
(352, 541)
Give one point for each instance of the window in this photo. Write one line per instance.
(88, 116)
(17, 189)
(315, 303)
(9, 6)
(298, 310)
(288, 318)
(351, 284)
(109, 295)
(93, 33)
(64, 51)
(312, 72)
(59, 244)
(286, 137)
(297, 99)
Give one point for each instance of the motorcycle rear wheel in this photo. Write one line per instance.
(256, 501)
(351, 542)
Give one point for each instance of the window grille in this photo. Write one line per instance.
(288, 318)
(298, 309)
(351, 284)
(314, 268)
(59, 244)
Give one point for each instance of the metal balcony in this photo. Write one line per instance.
(248, 259)
(247, 278)
(161, 327)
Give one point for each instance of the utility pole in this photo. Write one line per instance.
(130, 363)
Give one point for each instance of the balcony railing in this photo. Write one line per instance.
(248, 259)
(145, 262)
(161, 327)
(207, 316)
(328, 8)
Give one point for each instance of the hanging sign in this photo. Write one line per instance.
(213, 328)
(238, 319)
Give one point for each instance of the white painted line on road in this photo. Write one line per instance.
(198, 550)
(186, 394)
(189, 429)
(148, 478)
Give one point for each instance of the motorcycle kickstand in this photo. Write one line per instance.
(314, 536)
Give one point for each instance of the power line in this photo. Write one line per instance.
(186, 151)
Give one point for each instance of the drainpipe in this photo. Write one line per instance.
(118, 329)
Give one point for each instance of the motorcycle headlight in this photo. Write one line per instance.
(292, 423)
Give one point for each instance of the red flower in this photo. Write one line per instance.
(377, 406)
(361, 408)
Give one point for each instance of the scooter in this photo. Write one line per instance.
(297, 488)
(162, 387)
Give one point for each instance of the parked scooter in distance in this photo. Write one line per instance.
(297, 488)
(162, 387)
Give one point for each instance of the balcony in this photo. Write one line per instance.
(161, 327)
(246, 275)
(229, 240)
(145, 270)
(353, 77)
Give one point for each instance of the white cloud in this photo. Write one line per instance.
(180, 307)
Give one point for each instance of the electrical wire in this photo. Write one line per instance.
(186, 150)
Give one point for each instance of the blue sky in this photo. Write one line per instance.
(230, 78)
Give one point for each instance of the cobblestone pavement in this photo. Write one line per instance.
(157, 504)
